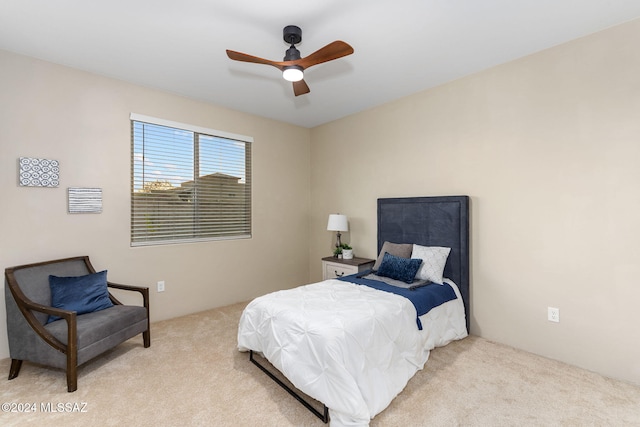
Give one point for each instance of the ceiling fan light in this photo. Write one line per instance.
(292, 73)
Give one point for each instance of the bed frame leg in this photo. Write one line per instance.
(324, 416)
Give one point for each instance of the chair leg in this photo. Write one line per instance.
(14, 370)
(72, 379)
(146, 337)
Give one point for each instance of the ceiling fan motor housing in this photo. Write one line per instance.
(292, 54)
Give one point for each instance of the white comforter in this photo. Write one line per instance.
(349, 346)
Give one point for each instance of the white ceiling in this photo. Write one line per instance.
(401, 46)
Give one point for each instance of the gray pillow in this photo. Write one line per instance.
(402, 250)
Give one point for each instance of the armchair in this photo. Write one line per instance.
(75, 338)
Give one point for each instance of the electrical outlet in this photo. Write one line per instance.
(553, 314)
(161, 286)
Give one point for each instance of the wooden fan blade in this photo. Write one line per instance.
(300, 88)
(239, 56)
(332, 51)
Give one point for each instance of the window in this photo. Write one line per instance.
(188, 183)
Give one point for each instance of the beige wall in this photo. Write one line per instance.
(548, 148)
(82, 120)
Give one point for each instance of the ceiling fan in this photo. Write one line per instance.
(293, 66)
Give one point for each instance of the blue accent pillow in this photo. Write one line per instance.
(403, 269)
(82, 294)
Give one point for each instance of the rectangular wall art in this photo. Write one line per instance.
(38, 172)
(85, 200)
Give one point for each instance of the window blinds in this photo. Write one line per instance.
(188, 183)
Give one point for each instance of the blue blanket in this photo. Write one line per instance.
(423, 298)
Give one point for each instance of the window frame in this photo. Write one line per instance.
(198, 132)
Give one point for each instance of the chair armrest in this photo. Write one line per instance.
(46, 309)
(145, 301)
(26, 306)
(143, 290)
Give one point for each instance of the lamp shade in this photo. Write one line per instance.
(337, 222)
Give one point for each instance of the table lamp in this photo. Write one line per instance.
(338, 223)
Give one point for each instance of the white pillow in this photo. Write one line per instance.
(434, 258)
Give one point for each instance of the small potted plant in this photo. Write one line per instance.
(337, 252)
(347, 251)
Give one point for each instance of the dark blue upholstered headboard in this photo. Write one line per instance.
(431, 221)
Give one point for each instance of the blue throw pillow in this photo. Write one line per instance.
(82, 294)
(398, 268)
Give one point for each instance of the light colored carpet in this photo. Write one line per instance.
(192, 375)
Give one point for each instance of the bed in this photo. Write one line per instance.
(353, 345)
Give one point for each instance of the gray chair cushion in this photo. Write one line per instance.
(101, 330)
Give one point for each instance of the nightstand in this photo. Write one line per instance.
(335, 267)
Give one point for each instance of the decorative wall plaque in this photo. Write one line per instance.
(85, 200)
(38, 172)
